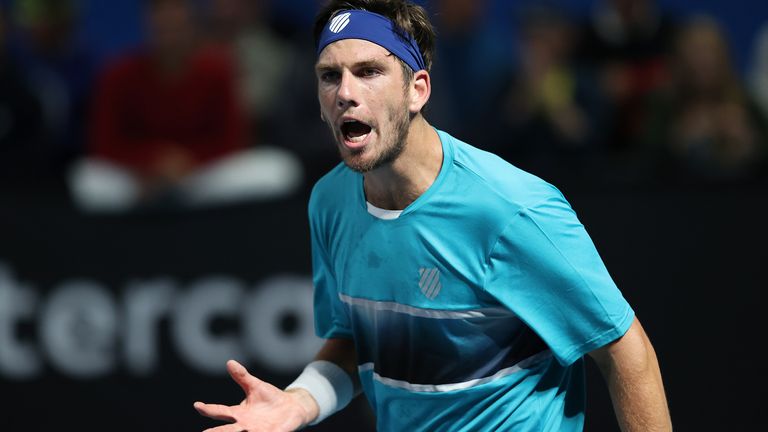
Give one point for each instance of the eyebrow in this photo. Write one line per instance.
(376, 62)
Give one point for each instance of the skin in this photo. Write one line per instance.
(172, 39)
(631, 370)
(360, 79)
(267, 408)
(172, 33)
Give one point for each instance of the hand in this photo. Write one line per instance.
(173, 164)
(265, 407)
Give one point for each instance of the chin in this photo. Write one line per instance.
(355, 161)
(358, 164)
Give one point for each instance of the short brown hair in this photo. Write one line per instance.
(409, 18)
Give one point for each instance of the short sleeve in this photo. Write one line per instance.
(331, 319)
(546, 269)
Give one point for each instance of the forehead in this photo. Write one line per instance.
(351, 51)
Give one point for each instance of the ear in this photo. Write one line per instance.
(419, 91)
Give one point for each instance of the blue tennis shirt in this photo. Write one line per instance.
(472, 310)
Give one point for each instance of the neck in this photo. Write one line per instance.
(171, 60)
(396, 185)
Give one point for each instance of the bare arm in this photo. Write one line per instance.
(632, 373)
(268, 408)
(342, 352)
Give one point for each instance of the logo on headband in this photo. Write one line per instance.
(339, 22)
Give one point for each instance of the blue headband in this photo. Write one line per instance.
(360, 24)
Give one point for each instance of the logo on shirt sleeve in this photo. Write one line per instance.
(430, 282)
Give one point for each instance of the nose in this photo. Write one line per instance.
(347, 94)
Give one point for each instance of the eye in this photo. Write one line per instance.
(329, 76)
(370, 72)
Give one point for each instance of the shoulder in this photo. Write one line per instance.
(128, 70)
(496, 182)
(332, 191)
(127, 64)
(213, 61)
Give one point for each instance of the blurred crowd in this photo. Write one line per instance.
(218, 104)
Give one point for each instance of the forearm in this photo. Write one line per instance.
(325, 388)
(342, 353)
(639, 400)
(632, 373)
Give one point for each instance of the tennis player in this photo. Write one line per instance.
(456, 291)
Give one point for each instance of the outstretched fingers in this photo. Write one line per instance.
(215, 411)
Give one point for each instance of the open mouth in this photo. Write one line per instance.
(355, 131)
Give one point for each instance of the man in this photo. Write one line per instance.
(167, 127)
(22, 148)
(458, 292)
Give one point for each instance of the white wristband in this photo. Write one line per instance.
(329, 384)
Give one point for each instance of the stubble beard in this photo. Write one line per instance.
(390, 149)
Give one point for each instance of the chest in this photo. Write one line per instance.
(414, 263)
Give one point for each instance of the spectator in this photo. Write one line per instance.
(626, 42)
(550, 109)
(296, 114)
(473, 59)
(61, 72)
(759, 72)
(20, 117)
(705, 125)
(167, 124)
(260, 55)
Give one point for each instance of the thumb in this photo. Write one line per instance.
(240, 374)
(251, 385)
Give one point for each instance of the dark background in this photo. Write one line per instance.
(687, 251)
(690, 262)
